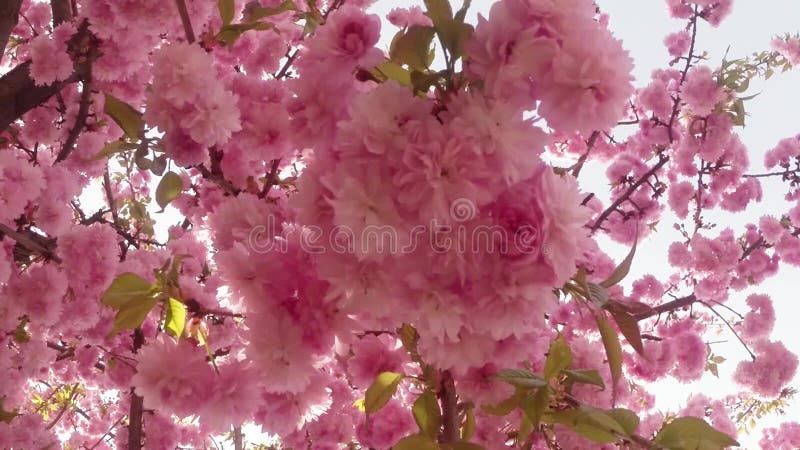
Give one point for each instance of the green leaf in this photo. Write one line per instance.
(692, 433)
(111, 148)
(506, 406)
(462, 13)
(585, 377)
(260, 12)
(381, 391)
(126, 288)
(558, 358)
(622, 270)
(392, 71)
(592, 423)
(131, 315)
(597, 294)
(626, 418)
(612, 346)
(629, 327)
(168, 189)
(128, 118)
(415, 442)
(468, 428)
(409, 338)
(226, 10)
(427, 414)
(521, 378)
(534, 405)
(175, 320)
(412, 47)
(438, 10)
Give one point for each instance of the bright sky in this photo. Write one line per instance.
(642, 26)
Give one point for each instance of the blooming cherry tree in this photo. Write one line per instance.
(376, 249)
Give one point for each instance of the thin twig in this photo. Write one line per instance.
(80, 120)
(28, 243)
(185, 20)
(753, 356)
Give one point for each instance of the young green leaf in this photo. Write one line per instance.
(131, 315)
(612, 346)
(622, 270)
(427, 414)
(226, 10)
(168, 189)
(585, 377)
(558, 358)
(629, 327)
(415, 442)
(626, 418)
(461, 445)
(175, 320)
(412, 46)
(124, 289)
(468, 428)
(381, 391)
(592, 423)
(521, 378)
(128, 118)
(692, 433)
(534, 405)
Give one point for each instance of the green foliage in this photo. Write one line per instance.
(534, 405)
(612, 347)
(558, 358)
(592, 423)
(381, 391)
(226, 10)
(427, 414)
(621, 271)
(692, 433)
(128, 118)
(412, 47)
(521, 378)
(415, 442)
(168, 189)
(585, 377)
(175, 320)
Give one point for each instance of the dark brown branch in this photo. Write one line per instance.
(449, 401)
(9, 16)
(576, 170)
(625, 196)
(62, 11)
(673, 305)
(28, 243)
(18, 92)
(238, 443)
(185, 20)
(80, 120)
(272, 178)
(135, 421)
(677, 100)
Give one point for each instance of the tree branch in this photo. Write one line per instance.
(62, 11)
(18, 92)
(28, 243)
(80, 120)
(135, 421)
(185, 20)
(673, 305)
(624, 197)
(449, 401)
(9, 16)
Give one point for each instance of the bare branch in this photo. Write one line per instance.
(9, 16)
